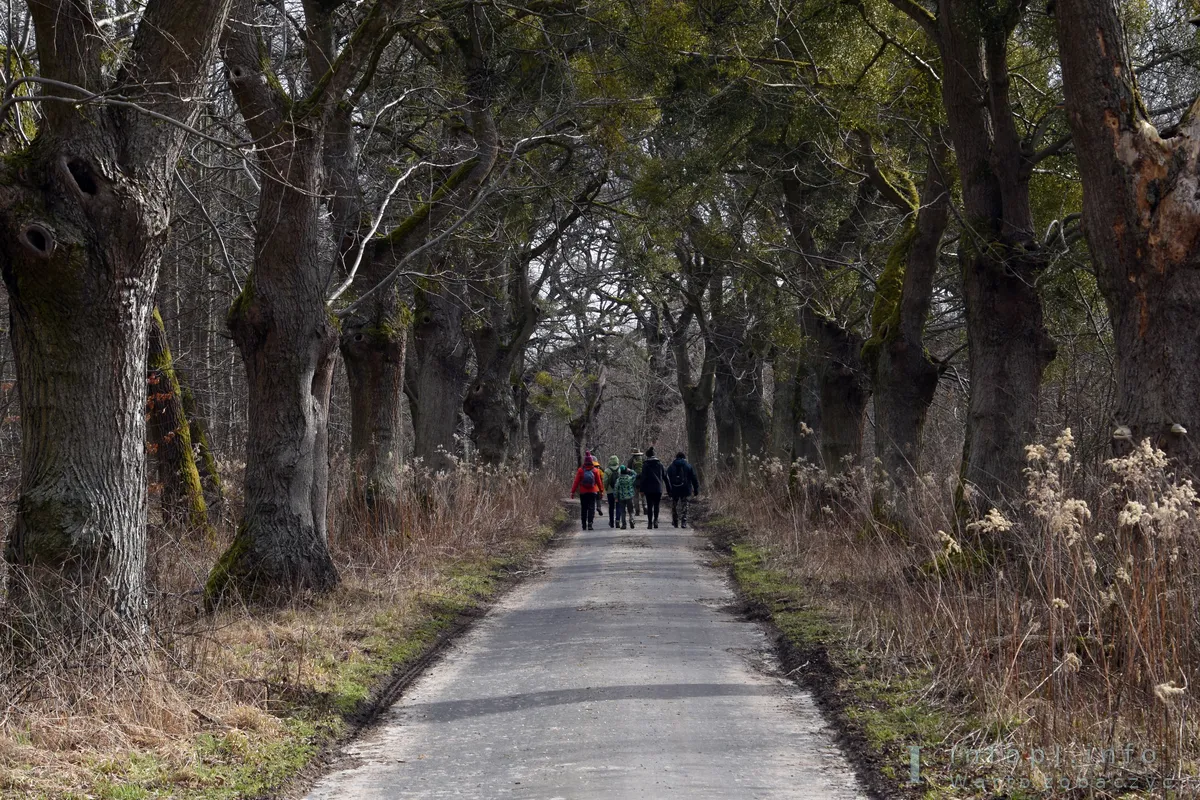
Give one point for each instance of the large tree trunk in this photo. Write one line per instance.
(436, 375)
(84, 212)
(843, 388)
(784, 369)
(1143, 229)
(905, 378)
(373, 349)
(181, 494)
(283, 329)
(749, 405)
(490, 405)
(729, 442)
(1009, 345)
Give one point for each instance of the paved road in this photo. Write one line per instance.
(614, 674)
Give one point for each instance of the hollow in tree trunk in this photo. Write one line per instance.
(84, 212)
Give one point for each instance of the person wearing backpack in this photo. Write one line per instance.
(589, 483)
(653, 483)
(610, 483)
(626, 483)
(682, 485)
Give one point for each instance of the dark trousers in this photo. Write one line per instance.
(612, 509)
(587, 508)
(625, 513)
(679, 506)
(652, 502)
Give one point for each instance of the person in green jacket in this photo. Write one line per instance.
(626, 486)
(610, 483)
(636, 460)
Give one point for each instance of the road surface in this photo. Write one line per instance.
(615, 673)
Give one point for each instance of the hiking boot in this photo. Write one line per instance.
(684, 525)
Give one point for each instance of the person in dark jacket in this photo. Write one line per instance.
(682, 484)
(653, 483)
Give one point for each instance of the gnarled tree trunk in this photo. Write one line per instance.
(373, 348)
(1009, 345)
(84, 212)
(1143, 227)
(286, 337)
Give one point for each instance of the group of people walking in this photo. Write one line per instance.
(633, 488)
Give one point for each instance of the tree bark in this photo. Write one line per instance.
(785, 367)
(436, 375)
(729, 440)
(181, 494)
(286, 337)
(373, 348)
(1009, 345)
(210, 475)
(1142, 221)
(904, 376)
(748, 402)
(374, 338)
(84, 212)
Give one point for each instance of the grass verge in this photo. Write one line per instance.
(264, 698)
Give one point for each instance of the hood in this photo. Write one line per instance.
(614, 462)
(651, 458)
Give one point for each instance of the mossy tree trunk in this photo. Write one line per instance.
(904, 375)
(1143, 228)
(84, 212)
(210, 474)
(181, 495)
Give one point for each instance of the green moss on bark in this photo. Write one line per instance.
(229, 573)
(889, 291)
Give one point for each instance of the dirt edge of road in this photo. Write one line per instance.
(807, 662)
(388, 691)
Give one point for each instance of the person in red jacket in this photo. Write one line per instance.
(589, 483)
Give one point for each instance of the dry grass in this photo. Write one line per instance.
(1071, 629)
(230, 705)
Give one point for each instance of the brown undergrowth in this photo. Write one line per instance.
(1050, 650)
(239, 703)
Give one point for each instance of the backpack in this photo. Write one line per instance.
(589, 478)
(676, 477)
